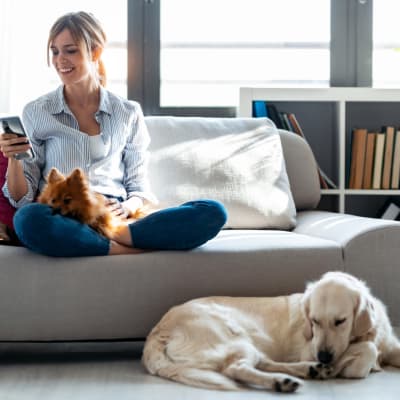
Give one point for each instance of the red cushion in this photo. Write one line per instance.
(7, 211)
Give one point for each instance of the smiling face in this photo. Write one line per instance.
(72, 64)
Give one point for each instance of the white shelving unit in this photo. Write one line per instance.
(342, 99)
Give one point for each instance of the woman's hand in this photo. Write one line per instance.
(128, 209)
(117, 208)
(11, 144)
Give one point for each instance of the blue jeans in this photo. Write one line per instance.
(177, 228)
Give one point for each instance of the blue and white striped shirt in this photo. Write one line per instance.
(57, 142)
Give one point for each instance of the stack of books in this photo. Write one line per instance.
(289, 122)
(375, 159)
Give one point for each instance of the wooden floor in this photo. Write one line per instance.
(107, 372)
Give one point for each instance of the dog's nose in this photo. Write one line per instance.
(55, 211)
(325, 356)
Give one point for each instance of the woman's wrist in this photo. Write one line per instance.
(17, 185)
(14, 163)
(133, 204)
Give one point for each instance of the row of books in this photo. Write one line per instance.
(375, 159)
(289, 122)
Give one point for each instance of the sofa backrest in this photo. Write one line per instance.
(299, 160)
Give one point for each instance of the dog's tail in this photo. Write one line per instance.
(206, 379)
(157, 361)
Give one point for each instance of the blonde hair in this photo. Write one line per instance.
(88, 34)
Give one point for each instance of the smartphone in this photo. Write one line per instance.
(14, 125)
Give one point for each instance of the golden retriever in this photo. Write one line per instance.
(335, 328)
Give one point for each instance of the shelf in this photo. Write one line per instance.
(361, 192)
(327, 116)
(377, 192)
(331, 191)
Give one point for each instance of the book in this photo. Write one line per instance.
(285, 119)
(358, 147)
(391, 211)
(324, 180)
(328, 181)
(273, 114)
(369, 160)
(387, 157)
(378, 160)
(396, 162)
(259, 109)
(296, 126)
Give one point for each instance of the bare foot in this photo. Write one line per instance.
(3, 233)
(122, 236)
(116, 248)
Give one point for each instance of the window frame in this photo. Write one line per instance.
(350, 54)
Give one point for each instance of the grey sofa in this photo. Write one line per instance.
(122, 297)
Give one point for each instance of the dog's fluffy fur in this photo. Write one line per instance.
(71, 196)
(335, 328)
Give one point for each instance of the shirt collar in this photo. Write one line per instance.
(105, 104)
(59, 105)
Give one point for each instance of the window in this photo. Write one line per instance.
(386, 44)
(23, 40)
(209, 48)
(189, 57)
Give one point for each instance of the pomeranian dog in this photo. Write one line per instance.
(71, 196)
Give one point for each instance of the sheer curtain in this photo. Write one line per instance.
(24, 72)
(24, 28)
(6, 33)
(386, 44)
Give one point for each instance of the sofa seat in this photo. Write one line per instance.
(122, 297)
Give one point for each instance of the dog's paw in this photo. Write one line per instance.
(320, 371)
(287, 384)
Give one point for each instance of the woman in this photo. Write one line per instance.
(81, 124)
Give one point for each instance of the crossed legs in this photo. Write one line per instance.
(177, 228)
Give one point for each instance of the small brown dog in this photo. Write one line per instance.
(71, 196)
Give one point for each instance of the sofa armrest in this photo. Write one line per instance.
(371, 249)
(301, 168)
(341, 228)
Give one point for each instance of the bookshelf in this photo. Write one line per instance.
(327, 116)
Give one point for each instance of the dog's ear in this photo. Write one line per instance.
(55, 176)
(364, 316)
(77, 178)
(305, 307)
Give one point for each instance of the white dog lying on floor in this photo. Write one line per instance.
(336, 328)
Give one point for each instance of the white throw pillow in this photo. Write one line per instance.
(238, 161)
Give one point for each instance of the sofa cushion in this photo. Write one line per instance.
(238, 161)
